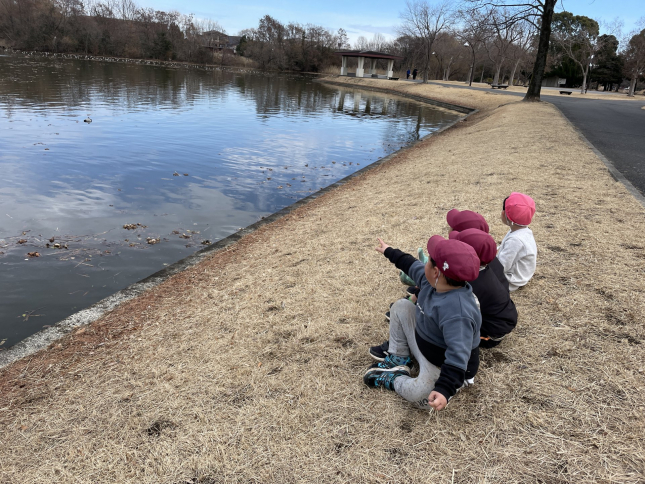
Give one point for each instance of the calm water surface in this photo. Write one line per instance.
(189, 155)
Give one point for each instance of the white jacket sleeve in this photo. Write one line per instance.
(508, 254)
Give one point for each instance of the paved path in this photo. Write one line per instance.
(615, 128)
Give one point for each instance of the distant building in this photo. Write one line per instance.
(233, 41)
(553, 81)
(217, 41)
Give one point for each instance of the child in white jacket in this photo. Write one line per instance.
(518, 251)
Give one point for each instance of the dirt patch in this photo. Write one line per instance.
(255, 356)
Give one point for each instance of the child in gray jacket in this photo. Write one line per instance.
(441, 332)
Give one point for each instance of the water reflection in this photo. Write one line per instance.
(189, 155)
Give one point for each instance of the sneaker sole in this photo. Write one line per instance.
(377, 358)
(388, 370)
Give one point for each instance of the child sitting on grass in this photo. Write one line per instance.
(518, 251)
(457, 220)
(499, 315)
(441, 331)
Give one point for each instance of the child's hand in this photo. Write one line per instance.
(437, 401)
(382, 246)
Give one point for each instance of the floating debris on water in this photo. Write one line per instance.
(133, 226)
(152, 240)
(33, 254)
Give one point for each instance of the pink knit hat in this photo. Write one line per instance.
(519, 208)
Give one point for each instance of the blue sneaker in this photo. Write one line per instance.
(393, 361)
(378, 377)
(380, 352)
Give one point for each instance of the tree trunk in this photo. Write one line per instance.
(535, 86)
(496, 77)
(512, 78)
(585, 71)
(482, 78)
(632, 86)
(426, 68)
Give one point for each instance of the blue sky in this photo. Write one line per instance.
(360, 17)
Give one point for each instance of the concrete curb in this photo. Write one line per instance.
(44, 338)
(613, 171)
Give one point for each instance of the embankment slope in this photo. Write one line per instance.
(247, 367)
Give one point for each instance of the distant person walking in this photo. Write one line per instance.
(407, 74)
(414, 74)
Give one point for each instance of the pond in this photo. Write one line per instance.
(172, 160)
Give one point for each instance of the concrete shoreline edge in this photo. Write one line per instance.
(47, 336)
(423, 99)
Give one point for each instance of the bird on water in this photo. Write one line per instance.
(88, 119)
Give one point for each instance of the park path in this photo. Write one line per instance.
(615, 127)
(247, 367)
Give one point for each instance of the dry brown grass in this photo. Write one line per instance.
(247, 368)
(575, 92)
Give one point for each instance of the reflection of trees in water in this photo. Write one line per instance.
(71, 83)
(76, 83)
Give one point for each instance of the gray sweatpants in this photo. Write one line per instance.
(404, 343)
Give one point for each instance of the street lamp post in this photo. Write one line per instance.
(472, 65)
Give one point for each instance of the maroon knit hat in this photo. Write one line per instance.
(484, 244)
(456, 260)
(465, 219)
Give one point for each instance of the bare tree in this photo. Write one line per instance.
(634, 54)
(448, 50)
(424, 22)
(504, 36)
(519, 52)
(342, 40)
(474, 32)
(540, 14)
(361, 43)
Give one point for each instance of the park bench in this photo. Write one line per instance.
(393, 78)
(566, 92)
(499, 86)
